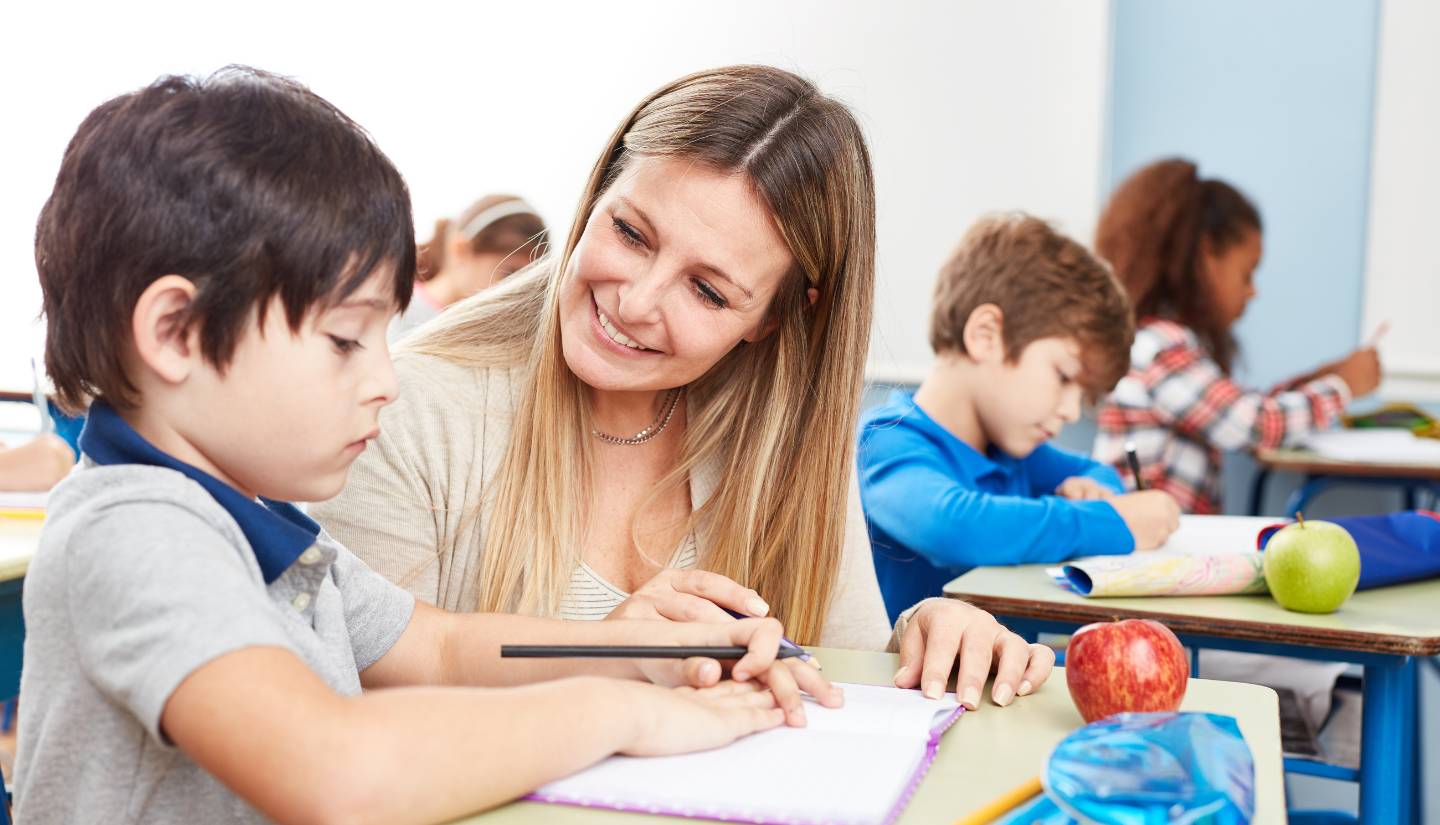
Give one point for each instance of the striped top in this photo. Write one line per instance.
(1181, 411)
(592, 597)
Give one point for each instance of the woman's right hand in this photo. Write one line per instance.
(1151, 515)
(685, 719)
(690, 596)
(1360, 370)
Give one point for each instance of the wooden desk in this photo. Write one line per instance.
(989, 751)
(1381, 629)
(18, 540)
(1321, 472)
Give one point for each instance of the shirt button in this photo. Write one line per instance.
(301, 601)
(310, 556)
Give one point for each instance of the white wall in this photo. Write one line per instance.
(970, 106)
(1402, 273)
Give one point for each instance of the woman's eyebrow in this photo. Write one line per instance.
(711, 268)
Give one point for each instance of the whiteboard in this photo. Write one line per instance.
(1402, 273)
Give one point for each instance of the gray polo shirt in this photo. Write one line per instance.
(141, 577)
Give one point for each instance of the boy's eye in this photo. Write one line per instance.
(345, 346)
(708, 294)
(628, 234)
(1064, 379)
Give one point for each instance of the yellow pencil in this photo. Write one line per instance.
(1003, 804)
(23, 514)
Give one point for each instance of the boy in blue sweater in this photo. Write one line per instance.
(959, 474)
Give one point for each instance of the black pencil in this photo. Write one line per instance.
(1134, 464)
(623, 652)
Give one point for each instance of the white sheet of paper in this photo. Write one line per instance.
(1218, 535)
(23, 500)
(848, 765)
(1378, 446)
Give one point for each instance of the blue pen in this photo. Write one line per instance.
(784, 642)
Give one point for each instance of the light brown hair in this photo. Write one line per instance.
(1046, 285)
(522, 232)
(776, 417)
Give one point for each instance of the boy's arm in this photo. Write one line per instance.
(266, 726)
(1050, 466)
(908, 494)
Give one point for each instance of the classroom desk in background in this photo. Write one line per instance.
(1382, 629)
(1320, 473)
(18, 540)
(989, 751)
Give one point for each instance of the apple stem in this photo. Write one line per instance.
(1300, 517)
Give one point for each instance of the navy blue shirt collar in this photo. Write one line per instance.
(277, 531)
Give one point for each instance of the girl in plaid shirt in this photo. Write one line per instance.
(1186, 249)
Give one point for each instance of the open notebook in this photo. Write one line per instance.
(858, 764)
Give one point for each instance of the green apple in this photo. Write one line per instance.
(1312, 566)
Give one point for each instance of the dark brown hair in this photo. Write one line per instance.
(246, 183)
(1046, 285)
(522, 232)
(1151, 233)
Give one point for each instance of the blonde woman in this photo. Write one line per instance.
(657, 419)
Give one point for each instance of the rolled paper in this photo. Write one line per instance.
(1165, 574)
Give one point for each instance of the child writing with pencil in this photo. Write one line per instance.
(1186, 249)
(219, 259)
(1025, 324)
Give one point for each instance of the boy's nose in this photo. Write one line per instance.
(385, 386)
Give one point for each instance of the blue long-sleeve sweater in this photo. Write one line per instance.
(936, 507)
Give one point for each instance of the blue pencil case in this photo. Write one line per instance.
(1143, 768)
(1394, 548)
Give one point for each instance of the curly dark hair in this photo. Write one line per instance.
(1151, 233)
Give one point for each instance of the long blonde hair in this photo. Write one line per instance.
(776, 417)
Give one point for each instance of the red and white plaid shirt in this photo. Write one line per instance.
(1181, 410)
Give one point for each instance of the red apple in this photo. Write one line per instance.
(1133, 665)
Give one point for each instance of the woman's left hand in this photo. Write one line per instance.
(941, 629)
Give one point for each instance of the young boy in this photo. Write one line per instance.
(958, 474)
(219, 259)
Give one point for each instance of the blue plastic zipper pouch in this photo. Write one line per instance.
(1143, 768)
(1394, 548)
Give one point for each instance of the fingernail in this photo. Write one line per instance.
(1025, 688)
(709, 671)
(900, 674)
(1003, 694)
(971, 699)
(758, 607)
(739, 675)
(934, 690)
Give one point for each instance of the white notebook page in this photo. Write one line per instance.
(848, 765)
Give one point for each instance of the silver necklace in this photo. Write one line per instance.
(661, 422)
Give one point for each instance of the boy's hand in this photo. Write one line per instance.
(38, 464)
(1151, 515)
(942, 630)
(1080, 488)
(685, 719)
(785, 678)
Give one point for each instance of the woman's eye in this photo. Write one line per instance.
(344, 346)
(1064, 379)
(628, 234)
(708, 294)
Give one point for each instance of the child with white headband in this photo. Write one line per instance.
(495, 237)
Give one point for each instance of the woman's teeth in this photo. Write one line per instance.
(616, 335)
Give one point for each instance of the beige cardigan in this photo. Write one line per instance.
(441, 443)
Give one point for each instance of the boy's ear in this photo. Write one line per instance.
(766, 329)
(164, 343)
(984, 334)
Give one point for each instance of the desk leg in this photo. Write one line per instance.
(1257, 490)
(1300, 499)
(1387, 747)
